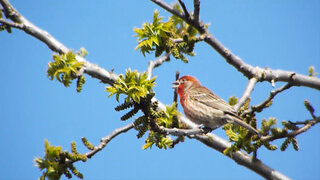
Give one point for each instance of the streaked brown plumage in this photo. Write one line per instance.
(202, 106)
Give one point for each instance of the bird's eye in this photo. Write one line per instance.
(183, 80)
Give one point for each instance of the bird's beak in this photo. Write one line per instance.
(175, 84)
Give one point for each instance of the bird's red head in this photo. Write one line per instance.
(184, 83)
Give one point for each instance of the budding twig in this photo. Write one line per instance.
(307, 124)
(105, 140)
(261, 106)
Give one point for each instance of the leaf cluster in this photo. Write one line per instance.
(54, 162)
(133, 84)
(139, 94)
(57, 162)
(242, 140)
(173, 36)
(149, 121)
(65, 68)
(158, 139)
(168, 119)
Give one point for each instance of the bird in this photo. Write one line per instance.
(205, 108)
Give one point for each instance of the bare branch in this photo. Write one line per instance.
(91, 69)
(104, 141)
(175, 131)
(246, 69)
(263, 74)
(31, 29)
(246, 94)
(241, 158)
(169, 8)
(261, 106)
(153, 64)
(179, 40)
(190, 21)
(175, 95)
(11, 24)
(182, 132)
(177, 141)
(184, 8)
(196, 10)
(307, 125)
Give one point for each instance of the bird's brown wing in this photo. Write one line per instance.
(205, 96)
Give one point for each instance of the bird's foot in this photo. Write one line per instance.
(206, 130)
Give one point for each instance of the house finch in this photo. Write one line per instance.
(203, 107)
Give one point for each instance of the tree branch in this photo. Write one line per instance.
(190, 21)
(175, 94)
(246, 94)
(11, 24)
(246, 69)
(176, 131)
(261, 106)
(56, 46)
(221, 144)
(104, 141)
(184, 8)
(153, 64)
(308, 125)
(241, 158)
(196, 10)
(263, 74)
(107, 77)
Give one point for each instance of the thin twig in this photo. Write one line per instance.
(177, 141)
(153, 64)
(246, 94)
(179, 40)
(184, 8)
(261, 106)
(175, 12)
(105, 140)
(12, 24)
(91, 69)
(196, 10)
(308, 124)
(175, 95)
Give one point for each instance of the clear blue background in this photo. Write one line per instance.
(268, 33)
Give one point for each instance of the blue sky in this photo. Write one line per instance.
(276, 34)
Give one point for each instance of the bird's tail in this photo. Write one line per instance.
(240, 122)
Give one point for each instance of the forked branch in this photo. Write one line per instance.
(247, 70)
